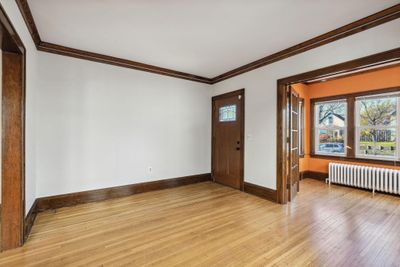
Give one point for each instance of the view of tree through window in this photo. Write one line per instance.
(377, 124)
(330, 127)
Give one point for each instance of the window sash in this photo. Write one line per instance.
(359, 128)
(318, 127)
(317, 143)
(379, 157)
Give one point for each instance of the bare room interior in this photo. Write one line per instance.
(200, 133)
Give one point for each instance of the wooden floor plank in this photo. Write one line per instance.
(211, 225)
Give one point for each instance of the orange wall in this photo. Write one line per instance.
(388, 77)
(385, 78)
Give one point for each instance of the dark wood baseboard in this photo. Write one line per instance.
(321, 176)
(30, 219)
(260, 191)
(66, 200)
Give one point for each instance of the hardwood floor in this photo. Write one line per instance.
(211, 225)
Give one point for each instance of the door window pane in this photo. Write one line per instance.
(227, 113)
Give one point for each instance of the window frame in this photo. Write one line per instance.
(350, 150)
(357, 128)
(317, 128)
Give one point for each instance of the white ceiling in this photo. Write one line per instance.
(202, 37)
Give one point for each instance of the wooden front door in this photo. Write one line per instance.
(294, 168)
(228, 138)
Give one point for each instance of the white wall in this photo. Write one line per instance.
(90, 125)
(14, 14)
(99, 126)
(261, 86)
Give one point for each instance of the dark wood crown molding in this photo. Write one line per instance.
(72, 52)
(29, 21)
(345, 67)
(352, 74)
(363, 24)
(67, 51)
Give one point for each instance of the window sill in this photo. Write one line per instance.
(338, 155)
(362, 160)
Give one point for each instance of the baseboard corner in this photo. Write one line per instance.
(30, 219)
(260, 191)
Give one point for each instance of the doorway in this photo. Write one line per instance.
(287, 185)
(228, 139)
(13, 135)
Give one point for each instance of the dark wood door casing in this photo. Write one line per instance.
(13, 135)
(12, 152)
(228, 141)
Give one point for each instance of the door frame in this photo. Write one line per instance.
(282, 106)
(242, 127)
(13, 135)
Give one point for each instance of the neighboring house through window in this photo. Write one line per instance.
(330, 127)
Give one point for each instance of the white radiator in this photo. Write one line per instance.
(375, 179)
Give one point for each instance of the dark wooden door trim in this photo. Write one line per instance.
(282, 138)
(13, 135)
(222, 96)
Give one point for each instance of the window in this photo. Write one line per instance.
(363, 126)
(330, 127)
(227, 113)
(377, 126)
